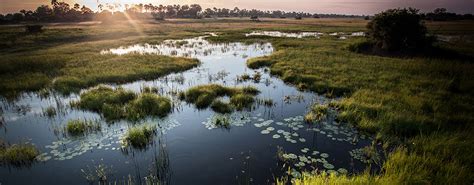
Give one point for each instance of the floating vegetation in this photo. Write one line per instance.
(367, 154)
(221, 121)
(120, 104)
(204, 95)
(226, 120)
(139, 136)
(18, 154)
(80, 127)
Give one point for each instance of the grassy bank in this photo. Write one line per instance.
(420, 106)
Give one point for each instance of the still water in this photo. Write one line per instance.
(188, 149)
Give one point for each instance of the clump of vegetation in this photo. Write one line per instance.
(140, 136)
(96, 98)
(148, 105)
(204, 95)
(221, 107)
(318, 112)
(266, 102)
(241, 100)
(259, 62)
(150, 90)
(396, 30)
(18, 154)
(245, 77)
(221, 121)
(50, 112)
(116, 104)
(80, 127)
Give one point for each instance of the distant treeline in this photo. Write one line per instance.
(63, 12)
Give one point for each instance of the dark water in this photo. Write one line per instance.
(188, 150)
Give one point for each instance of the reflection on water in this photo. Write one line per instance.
(283, 34)
(255, 147)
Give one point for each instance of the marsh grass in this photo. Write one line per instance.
(204, 95)
(81, 127)
(221, 121)
(317, 113)
(221, 107)
(398, 99)
(18, 154)
(50, 112)
(116, 104)
(140, 136)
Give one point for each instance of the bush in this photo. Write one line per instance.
(398, 29)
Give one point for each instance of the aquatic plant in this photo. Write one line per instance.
(241, 101)
(221, 107)
(266, 102)
(204, 95)
(121, 104)
(95, 98)
(221, 121)
(139, 136)
(317, 113)
(259, 62)
(148, 105)
(50, 112)
(79, 127)
(18, 154)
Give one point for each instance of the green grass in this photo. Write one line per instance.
(420, 105)
(18, 154)
(221, 107)
(203, 96)
(50, 112)
(140, 136)
(80, 127)
(53, 59)
(317, 113)
(400, 100)
(116, 104)
(149, 105)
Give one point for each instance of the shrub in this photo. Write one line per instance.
(398, 29)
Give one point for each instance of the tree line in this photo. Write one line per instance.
(63, 12)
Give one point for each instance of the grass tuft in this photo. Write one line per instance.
(140, 136)
(81, 127)
(18, 155)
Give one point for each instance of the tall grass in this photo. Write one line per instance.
(116, 104)
(140, 136)
(18, 154)
(203, 96)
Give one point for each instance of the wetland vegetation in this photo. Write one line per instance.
(398, 118)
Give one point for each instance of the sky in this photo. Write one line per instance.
(357, 7)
